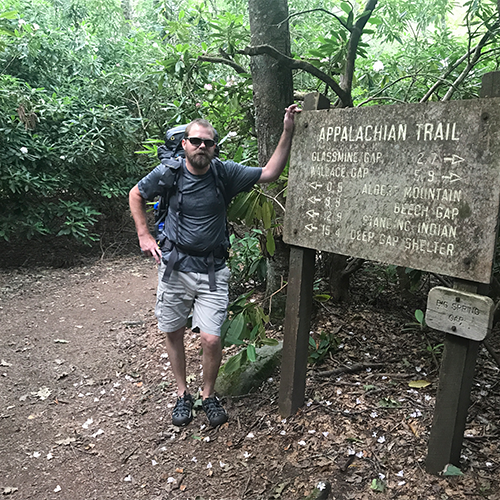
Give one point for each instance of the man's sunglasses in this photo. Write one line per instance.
(196, 141)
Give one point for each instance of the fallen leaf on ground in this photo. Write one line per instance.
(419, 384)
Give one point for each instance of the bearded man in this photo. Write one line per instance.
(192, 250)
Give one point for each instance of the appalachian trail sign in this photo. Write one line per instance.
(415, 185)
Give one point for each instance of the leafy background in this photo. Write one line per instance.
(85, 84)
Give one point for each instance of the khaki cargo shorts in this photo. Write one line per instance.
(190, 291)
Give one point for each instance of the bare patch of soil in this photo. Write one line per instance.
(86, 395)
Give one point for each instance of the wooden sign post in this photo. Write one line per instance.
(465, 327)
(298, 311)
(413, 185)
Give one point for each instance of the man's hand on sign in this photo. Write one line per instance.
(289, 120)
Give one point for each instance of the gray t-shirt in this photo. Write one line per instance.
(202, 224)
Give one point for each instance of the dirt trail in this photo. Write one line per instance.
(69, 339)
(86, 395)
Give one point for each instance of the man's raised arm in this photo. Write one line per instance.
(278, 160)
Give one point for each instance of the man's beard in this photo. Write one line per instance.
(200, 159)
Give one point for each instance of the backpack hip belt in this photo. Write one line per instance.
(174, 257)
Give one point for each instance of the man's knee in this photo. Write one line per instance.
(210, 341)
(175, 335)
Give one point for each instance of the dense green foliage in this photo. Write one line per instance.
(85, 84)
(72, 100)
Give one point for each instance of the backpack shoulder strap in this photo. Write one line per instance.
(171, 173)
(171, 163)
(218, 173)
(172, 169)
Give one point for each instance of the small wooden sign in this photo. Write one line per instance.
(460, 313)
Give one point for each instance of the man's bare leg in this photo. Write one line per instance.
(174, 342)
(212, 356)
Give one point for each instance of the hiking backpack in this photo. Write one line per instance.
(173, 143)
(172, 149)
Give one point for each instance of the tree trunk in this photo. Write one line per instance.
(338, 279)
(272, 93)
(126, 9)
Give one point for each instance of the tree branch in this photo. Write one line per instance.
(468, 68)
(352, 47)
(136, 102)
(352, 266)
(275, 199)
(476, 54)
(297, 64)
(382, 98)
(348, 369)
(317, 10)
(452, 68)
(222, 60)
(376, 96)
(442, 79)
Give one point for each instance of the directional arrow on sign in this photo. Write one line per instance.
(452, 177)
(454, 159)
(312, 213)
(310, 227)
(314, 199)
(316, 185)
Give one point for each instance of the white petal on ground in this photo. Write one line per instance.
(87, 423)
